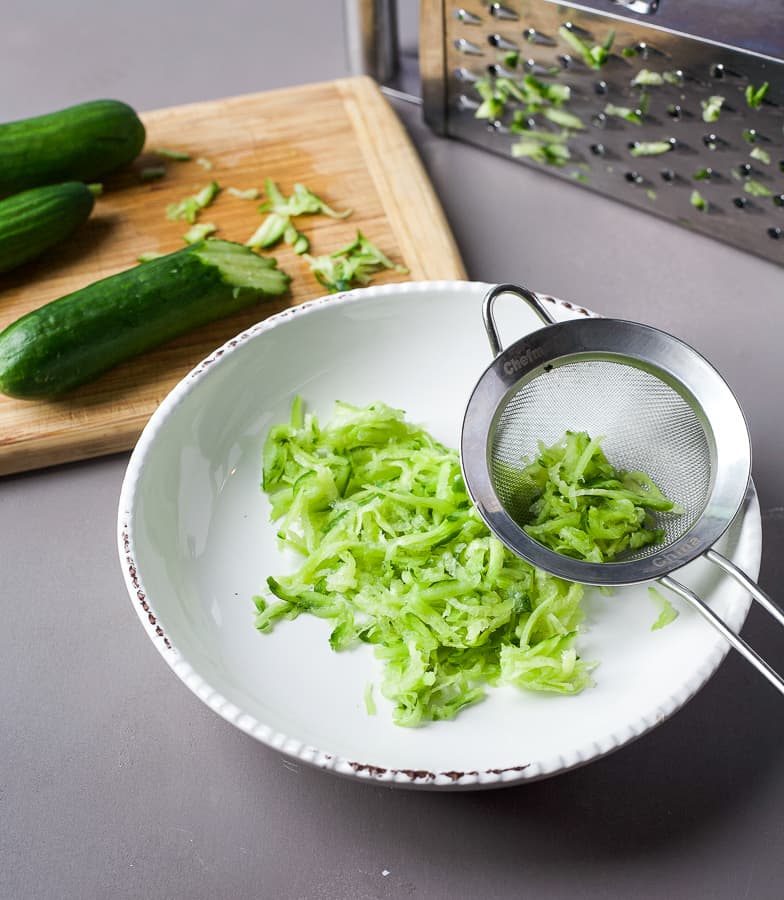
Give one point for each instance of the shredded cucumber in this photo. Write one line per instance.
(302, 202)
(624, 112)
(190, 207)
(395, 555)
(698, 201)
(650, 148)
(594, 56)
(756, 188)
(667, 612)
(179, 155)
(564, 119)
(353, 264)
(646, 77)
(282, 209)
(247, 194)
(152, 173)
(584, 507)
(199, 232)
(711, 108)
(755, 96)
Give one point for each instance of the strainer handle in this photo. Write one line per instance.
(743, 579)
(487, 311)
(720, 625)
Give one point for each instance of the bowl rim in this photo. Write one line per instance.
(291, 746)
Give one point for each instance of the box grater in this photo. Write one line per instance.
(673, 106)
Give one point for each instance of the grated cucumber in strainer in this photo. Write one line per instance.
(663, 408)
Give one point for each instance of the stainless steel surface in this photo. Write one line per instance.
(644, 7)
(663, 123)
(755, 25)
(488, 311)
(395, 94)
(116, 783)
(371, 38)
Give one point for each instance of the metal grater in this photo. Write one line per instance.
(644, 100)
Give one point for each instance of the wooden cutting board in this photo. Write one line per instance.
(339, 138)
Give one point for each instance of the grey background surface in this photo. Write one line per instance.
(116, 782)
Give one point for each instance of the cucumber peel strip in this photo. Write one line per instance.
(190, 207)
(177, 155)
(152, 173)
(353, 264)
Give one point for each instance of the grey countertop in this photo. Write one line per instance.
(116, 782)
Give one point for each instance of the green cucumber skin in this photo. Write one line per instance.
(35, 220)
(76, 338)
(80, 143)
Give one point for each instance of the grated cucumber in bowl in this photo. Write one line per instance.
(395, 556)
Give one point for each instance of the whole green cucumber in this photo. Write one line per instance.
(74, 339)
(80, 143)
(36, 220)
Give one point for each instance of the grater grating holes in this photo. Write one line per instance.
(695, 71)
(499, 11)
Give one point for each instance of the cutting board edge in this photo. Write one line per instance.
(381, 135)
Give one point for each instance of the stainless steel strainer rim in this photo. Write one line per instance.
(728, 487)
(651, 349)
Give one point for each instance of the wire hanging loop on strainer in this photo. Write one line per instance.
(659, 406)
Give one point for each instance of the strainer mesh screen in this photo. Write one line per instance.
(646, 425)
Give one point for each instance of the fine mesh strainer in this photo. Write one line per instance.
(661, 408)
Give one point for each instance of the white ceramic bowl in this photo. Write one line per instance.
(196, 544)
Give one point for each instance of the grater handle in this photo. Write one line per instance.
(371, 38)
(487, 311)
